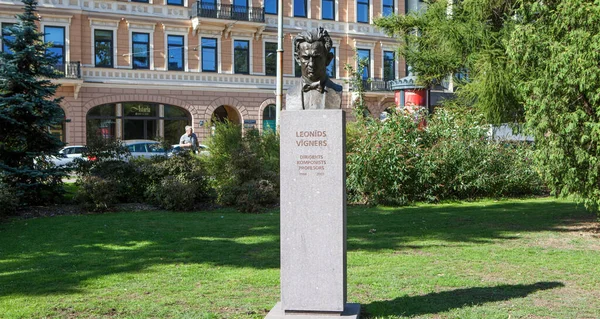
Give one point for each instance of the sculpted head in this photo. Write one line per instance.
(311, 51)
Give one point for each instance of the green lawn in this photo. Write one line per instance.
(509, 259)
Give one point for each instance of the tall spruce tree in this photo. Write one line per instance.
(28, 109)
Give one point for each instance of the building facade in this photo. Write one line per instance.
(143, 69)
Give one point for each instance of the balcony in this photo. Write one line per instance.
(229, 12)
(374, 85)
(69, 70)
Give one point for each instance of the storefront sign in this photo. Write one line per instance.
(249, 124)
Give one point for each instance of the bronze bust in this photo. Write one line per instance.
(316, 91)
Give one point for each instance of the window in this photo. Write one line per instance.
(140, 47)
(209, 55)
(56, 35)
(270, 58)
(241, 56)
(388, 7)
(271, 6)
(175, 2)
(5, 36)
(297, 69)
(364, 55)
(331, 66)
(103, 48)
(140, 120)
(58, 130)
(300, 8)
(175, 50)
(327, 10)
(389, 65)
(208, 8)
(240, 9)
(362, 11)
(269, 118)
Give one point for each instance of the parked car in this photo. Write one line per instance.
(68, 154)
(176, 149)
(145, 148)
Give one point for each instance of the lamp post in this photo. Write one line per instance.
(279, 88)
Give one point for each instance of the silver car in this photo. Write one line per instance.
(144, 148)
(68, 154)
(177, 149)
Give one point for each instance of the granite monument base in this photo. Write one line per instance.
(351, 311)
(313, 216)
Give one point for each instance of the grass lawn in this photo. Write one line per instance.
(534, 258)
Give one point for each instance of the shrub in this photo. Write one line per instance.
(397, 162)
(99, 150)
(173, 194)
(177, 183)
(125, 177)
(244, 169)
(96, 193)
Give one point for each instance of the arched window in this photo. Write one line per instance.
(225, 112)
(138, 120)
(59, 129)
(268, 119)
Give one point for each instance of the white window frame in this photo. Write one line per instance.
(308, 10)
(371, 61)
(185, 49)
(185, 4)
(336, 45)
(335, 13)
(142, 28)
(210, 36)
(250, 52)
(385, 48)
(395, 7)
(370, 12)
(6, 19)
(265, 40)
(112, 25)
(48, 21)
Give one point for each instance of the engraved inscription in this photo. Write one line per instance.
(312, 162)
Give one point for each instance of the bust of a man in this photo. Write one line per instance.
(316, 91)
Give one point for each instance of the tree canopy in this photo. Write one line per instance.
(466, 40)
(555, 49)
(536, 62)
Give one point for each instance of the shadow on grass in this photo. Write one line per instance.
(58, 255)
(443, 301)
(456, 225)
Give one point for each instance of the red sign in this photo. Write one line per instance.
(415, 97)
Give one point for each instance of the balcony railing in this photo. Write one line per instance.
(69, 70)
(376, 85)
(229, 12)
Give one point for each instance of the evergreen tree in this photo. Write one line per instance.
(27, 110)
(556, 52)
(467, 40)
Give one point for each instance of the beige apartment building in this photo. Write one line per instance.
(143, 69)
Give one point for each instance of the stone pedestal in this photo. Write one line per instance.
(313, 215)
